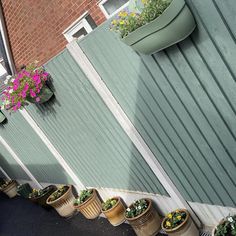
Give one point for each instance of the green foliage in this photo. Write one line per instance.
(227, 228)
(84, 195)
(137, 208)
(108, 204)
(174, 219)
(58, 193)
(129, 22)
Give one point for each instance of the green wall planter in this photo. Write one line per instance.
(2, 117)
(45, 94)
(172, 26)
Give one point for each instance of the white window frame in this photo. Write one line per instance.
(100, 4)
(80, 23)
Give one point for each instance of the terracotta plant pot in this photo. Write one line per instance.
(64, 204)
(42, 199)
(2, 117)
(172, 26)
(11, 189)
(116, 215)
(148, 223)
(91, 208)
(45, 94)
(186, 228)
(24, 190)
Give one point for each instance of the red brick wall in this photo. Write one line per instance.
(35, 26)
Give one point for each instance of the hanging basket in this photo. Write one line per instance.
(44, 95)
(2, 117)
(172, 26)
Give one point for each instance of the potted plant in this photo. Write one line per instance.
(114, 210)
(178, 223)
(29, 85)
(143, 217)
(62, 200)
(24, 190)
(9, 188)
(157, 25)
(40, 196)
(88, 203)
(2, 117)
(226, 227)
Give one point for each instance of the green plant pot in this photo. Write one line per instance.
(24, 190)
(45, 94)
(172, 26)
(2, 117)
(43, 198)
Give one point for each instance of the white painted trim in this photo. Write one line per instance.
(80, 23)
(5, 173)
(18, 160)
(128, 127)
(114, 13)
(52, 149)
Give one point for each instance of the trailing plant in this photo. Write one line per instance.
(128, 22)
(108, 204)
(174, 219)
(28, 83)
(58, 193)
(227, 228)
(137, 208)
(84, 195)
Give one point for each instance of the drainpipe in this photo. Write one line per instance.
(3, 31)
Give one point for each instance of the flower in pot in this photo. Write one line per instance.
(158, 25)
(24, 190)
(226, 227)
(143, 217)
(9, 188)
(114, 210)
(40, 196)
(178, 223)
(88, 203)
(62, 201)
(29, 85)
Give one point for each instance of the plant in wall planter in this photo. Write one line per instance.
(114, 210)
(40, 196)
(178, 223)
(143, 217)
(9, 188)
(2, 117)
(157, 24)
(226, 227)
(62, 200)
(29, 85)
(88, 203)
(24, 190)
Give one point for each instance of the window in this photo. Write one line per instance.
(81, 27)
(111, 7)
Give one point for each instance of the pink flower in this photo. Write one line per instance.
(23, 94)
(16, 86)
(18, 105)
(26, 87)
(37, 99)
(32, 93)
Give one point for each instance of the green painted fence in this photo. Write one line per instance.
(31, 150)
(182, 100)
(83, 130)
